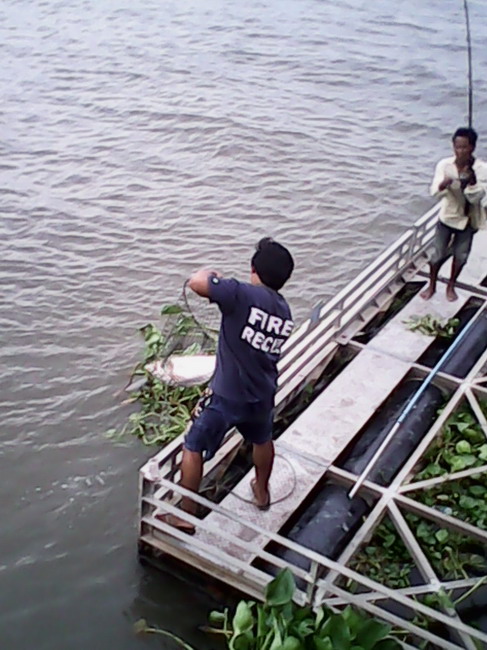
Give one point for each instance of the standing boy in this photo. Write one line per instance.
(460, 182)
(256, 320)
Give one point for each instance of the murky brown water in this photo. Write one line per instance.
(139, 141)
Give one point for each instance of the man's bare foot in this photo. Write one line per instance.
(176, 522)
(261, 500)
(451, 294)
(427, 293)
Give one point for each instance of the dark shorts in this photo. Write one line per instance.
(214, 416)
(450, 241)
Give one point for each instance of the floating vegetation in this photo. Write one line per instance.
(279, 623)
(461, 445)
(164, 409)
(431, 326)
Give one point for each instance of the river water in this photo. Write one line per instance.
(141, 140)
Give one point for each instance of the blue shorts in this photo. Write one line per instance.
(214, 416)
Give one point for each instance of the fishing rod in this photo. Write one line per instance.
(469, 56)
(405, 412)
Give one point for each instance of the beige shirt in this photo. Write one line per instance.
(452, 209)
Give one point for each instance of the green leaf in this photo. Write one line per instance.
(243, 619)
(388, 644)
(483, 452)
(193, 349)
(389, 540)
(325, 629)
(458, 463)
(444, 599)
(280, 590)
(463, 447)
(262, 626)
(240, 642)
(474, 435)
(431, 470)
(322, 644)
(153, 338)
(305, 628)
(371, 633)
(477, 490)
(171, 309)
(354, 620)
(441, 535)
(423, 531)
(277, 641)
(287, 612)
(302, 613)
(339, 632)
(292, 643)
(216, 618)
(320, 615)
(469, 503)
(264, 642)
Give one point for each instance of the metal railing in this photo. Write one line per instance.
(324, 582)
(315, 341)
(307, 346)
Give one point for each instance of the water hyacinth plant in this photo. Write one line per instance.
(164, 410)
(460, 445)
(280, 624)
(431, 326)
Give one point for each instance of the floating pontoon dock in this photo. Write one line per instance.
(244, 547)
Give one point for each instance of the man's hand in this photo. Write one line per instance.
(445, 183)
(466, 174)
(199, 281)
(467, 177)
(473, 178)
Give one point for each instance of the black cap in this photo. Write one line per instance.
(273, 263)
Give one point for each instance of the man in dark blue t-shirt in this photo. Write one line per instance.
(256, 320)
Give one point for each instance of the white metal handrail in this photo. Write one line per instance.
(315, 560)
(306, 349)
(312, 342)
(403, 251)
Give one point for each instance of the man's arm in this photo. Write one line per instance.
(199, 281)
(476, 189)
(441, 182)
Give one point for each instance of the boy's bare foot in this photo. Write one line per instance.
(261, 501)
(451, 294)
(427, 293)
(176, 522)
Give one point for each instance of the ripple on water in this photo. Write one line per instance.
(139, 142)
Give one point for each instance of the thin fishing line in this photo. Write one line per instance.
(203, 327)
(469, 55)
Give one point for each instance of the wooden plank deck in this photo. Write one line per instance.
(324, 429)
